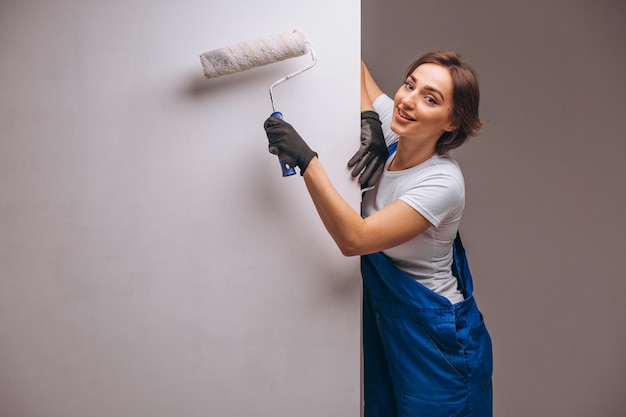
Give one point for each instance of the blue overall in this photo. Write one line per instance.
(423, 356)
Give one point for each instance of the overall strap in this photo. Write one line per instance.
(460, 267)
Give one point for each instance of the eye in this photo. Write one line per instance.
(408, 85)
(430, 100)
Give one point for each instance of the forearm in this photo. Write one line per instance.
(370, 90)
(366, 100)
(392, 225)
(342, 222)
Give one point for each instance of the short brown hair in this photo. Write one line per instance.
(466, 96)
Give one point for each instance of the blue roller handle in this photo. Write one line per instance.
(287, 170)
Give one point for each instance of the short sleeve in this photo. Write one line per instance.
(384, 107)
(437, 198)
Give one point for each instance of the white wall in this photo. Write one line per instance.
(544, 223)
(153, 262)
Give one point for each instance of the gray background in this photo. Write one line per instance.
(128, 235)
(544, 225)
(153, 261)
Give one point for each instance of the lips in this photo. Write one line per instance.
(405, 116)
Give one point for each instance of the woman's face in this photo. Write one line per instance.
(423, 104)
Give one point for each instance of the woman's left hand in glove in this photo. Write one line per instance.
(369, 160)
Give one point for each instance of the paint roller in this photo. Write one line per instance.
(255, 53)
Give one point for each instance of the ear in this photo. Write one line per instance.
(452, 126)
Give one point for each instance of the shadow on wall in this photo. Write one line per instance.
(197, 85)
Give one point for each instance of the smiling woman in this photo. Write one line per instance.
(423, 113)
(434, 110)
(426, 348)
(464, 97)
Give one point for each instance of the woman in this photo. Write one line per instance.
(426, 349)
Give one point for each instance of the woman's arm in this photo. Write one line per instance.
(369, 160)
(369, 89)
(394, 224)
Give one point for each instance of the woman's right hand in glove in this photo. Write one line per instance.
(285, 142)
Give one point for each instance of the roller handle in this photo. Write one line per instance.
(287, 170)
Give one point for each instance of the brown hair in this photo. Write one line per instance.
(466, 96)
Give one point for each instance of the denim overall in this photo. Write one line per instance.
(423, 356)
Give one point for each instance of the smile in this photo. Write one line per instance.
(405, 116)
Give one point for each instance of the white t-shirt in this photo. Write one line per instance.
(435, 189)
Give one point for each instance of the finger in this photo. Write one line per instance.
(271, 122)
(273, 149)
(376, 175)
(358, 167)
(268, 123)
(364, 162)
(369, 170)
(357, 156)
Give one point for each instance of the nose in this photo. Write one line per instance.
(408, 100)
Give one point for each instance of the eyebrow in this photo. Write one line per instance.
(429, 88)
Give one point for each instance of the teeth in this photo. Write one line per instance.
(404, 115)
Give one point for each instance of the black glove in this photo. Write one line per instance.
(370, 159)
(285, 142)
